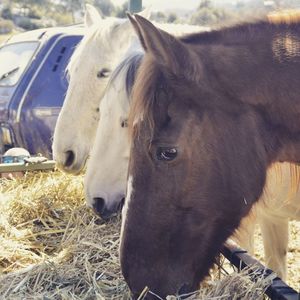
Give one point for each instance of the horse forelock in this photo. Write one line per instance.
(151, 78)
(126, 72)
(133, 65)
(143, 96)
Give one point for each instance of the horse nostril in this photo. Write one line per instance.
(99, 205)
(70, 158)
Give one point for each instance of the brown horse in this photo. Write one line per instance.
(211, 112)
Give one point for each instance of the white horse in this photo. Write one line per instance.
(104, 44)
(99, 52)
(105, 180)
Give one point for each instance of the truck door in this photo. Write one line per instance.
(39, 111)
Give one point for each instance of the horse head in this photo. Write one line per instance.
(201, 146)
(105, 179)
(89, 70)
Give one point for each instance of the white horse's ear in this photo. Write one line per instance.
(146, 13)
(92, 16)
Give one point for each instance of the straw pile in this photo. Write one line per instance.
(53, 247)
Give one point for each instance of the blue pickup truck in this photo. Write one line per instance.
(33, 84)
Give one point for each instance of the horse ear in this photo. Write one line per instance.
(146, 13)
(137, 30)
(92, 16)
(166, 49)
(152, 38)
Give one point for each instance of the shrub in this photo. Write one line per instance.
(6, 13)
(27, 24)
(61, 18)
(172, 18)
(34, 13)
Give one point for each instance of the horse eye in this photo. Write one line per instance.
(104, 73)
(97, 109)
(124, 123)
(166, 154)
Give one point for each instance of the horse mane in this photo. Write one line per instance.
(246, 32)
(129, 66)
(285, 17)
(144, 91)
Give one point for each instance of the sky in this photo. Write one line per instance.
(166, 4)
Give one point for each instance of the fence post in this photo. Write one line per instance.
(135, 6)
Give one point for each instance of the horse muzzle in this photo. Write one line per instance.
(105, 211)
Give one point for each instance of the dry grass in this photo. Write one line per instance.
(53, 247)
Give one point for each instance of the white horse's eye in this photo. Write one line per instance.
(124, 123)
(104, 73)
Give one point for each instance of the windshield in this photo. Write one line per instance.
(14, 59)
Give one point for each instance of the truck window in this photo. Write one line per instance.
(14, 58)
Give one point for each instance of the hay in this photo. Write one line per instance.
(53, 247)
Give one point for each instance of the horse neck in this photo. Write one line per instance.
(255, 72)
